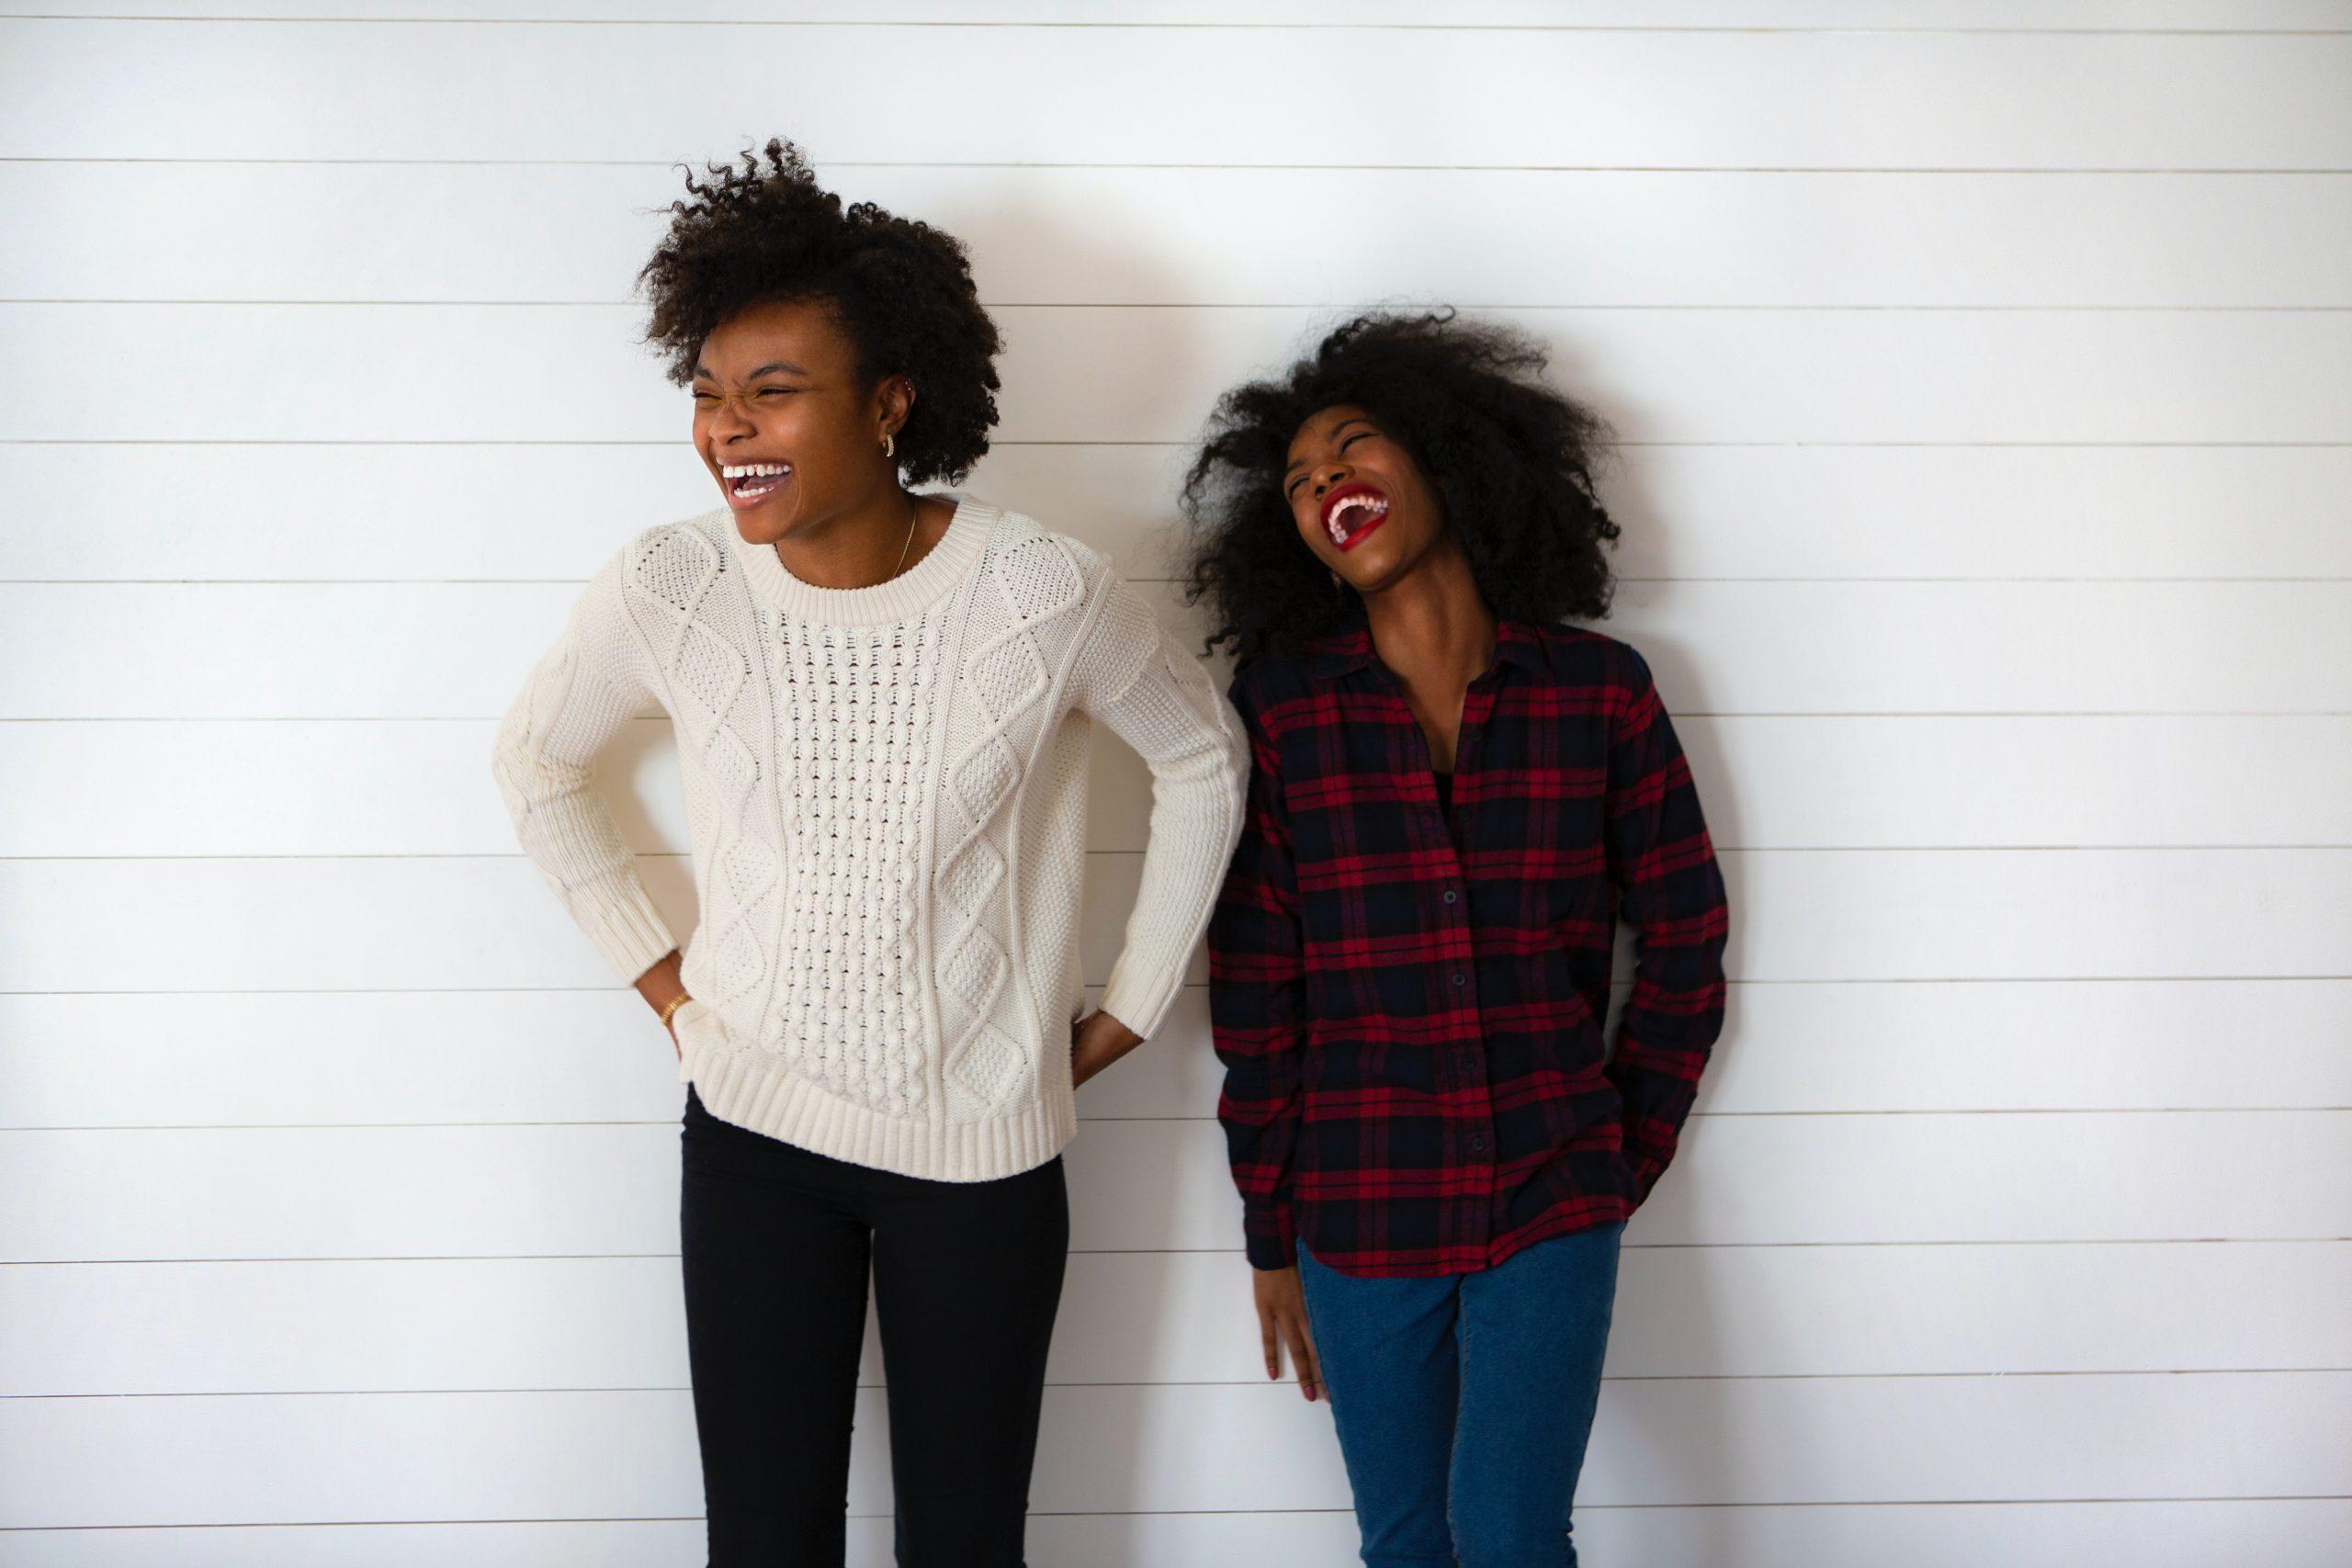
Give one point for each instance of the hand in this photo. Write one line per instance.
(658, 985)
(1097, 1040)
(1281, 1320)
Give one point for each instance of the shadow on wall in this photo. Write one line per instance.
(1669, 1442)
(1160, 349)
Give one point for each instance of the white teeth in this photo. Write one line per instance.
(1374, 504)
(752, 470)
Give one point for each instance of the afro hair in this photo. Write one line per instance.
(900, 289)
(1511, 460)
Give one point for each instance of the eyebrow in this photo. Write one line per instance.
(785, 365)
(1352, 419)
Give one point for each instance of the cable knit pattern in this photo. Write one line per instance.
(886, 798)
(856, 724)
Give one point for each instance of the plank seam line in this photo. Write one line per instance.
(674, 443)
(1204, 1513)
(2170, 979)
(1524, 309)
(2195, 581)
(1202, 1251)
(2169, 171)
(934, 25)
(1691, 712)
(2004, 1375)
(1089, 1121)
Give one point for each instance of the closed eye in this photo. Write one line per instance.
(1290, 490)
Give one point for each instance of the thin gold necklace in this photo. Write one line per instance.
(914, 516)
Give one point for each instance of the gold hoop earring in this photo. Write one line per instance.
(889, 446)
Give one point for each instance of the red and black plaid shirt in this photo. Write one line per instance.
(1410, 1018)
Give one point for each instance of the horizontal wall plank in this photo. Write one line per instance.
(2275, 1532)
(602, 1190)
(462, 650)
(421, 1325)
(95, 89)
(476, 232)
(1963, 16)
(627, 1454)
(1991, 648)
(293, 1058)
(532, 942)
(221, 669)
(329, 788)
(491, 923)
(575, 372)
(450, 512)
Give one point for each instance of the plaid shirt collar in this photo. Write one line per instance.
(1348, 648)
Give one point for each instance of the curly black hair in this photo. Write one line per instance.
(1512, 461)
(901, 289)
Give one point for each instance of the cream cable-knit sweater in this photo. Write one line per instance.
(886, 800)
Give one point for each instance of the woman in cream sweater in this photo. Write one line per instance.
(882, 702)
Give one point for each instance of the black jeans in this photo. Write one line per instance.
(775, 1242)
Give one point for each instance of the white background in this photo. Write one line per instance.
(1985, 378)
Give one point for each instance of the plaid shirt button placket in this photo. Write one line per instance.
(1409, 1013)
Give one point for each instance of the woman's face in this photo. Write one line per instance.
(782, 422)
(1358, 499)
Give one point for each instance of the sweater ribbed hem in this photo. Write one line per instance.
(767, 1097)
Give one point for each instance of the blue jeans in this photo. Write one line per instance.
(1463, 1401)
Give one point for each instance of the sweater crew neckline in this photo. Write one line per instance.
(900, 598)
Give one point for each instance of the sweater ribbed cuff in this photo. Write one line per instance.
(627, 930)
(1141, 989)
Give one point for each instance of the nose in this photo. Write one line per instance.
(729, 420)
(1328, 475)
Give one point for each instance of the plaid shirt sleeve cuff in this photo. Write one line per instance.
(1268, 1237)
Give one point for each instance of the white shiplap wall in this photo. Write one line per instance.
(1983, 371)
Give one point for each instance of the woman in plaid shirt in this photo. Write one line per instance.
(1454, 796)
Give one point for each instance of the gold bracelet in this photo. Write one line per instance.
(673, 1004)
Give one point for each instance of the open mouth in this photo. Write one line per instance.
(747, 484)
(1350, 512)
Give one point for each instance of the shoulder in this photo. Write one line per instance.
(1266, 686)
(1584, 656)
(657, 560)
(656, 578)
(1016, 537)
(1040, 570)
(1607, 677)
(1043, 571)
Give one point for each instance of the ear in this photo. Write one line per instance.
(894, 401)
